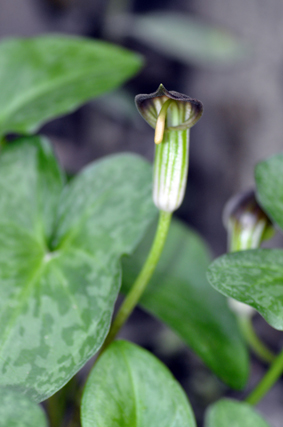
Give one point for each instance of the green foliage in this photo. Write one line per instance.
(254, 277)
(44, 77)
(180, 296)
(17, 410)
(59, 259)
(229, 413)
(130, 387)
(61, 246)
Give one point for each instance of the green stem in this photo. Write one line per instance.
(142, 280)
(55, 409)
(246, 326)
(60, 403)
(3, 141)
(267, 381)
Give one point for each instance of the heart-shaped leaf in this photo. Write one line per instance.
(59, 259)
(44, 77)
(269, 181)
(180, 296)
(254, 277)
(17, 410)
(130, 387)
(230, 413)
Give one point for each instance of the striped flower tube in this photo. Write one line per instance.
(172, 114)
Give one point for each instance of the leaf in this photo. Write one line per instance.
(254, 277)
(17, 410)
(29, 177)
(60, 259)
(182, 37)
(228, 412)
(45, 77)
(130, 387)
(269, 181)
(180, 296)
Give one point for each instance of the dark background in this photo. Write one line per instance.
(242, 95)
(242, 121)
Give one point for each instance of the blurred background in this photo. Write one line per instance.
(226, 53)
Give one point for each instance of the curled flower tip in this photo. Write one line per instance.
(246, 223)
(154, 106)
(160, 122)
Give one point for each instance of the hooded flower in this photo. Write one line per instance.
(246, 223)
(247, 226)
(171, 114)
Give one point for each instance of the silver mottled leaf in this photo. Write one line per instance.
(59, 259)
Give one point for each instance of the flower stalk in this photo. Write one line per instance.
(267, 382)
(171, 114)
(142, 280)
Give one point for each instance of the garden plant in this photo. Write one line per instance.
(70, 246)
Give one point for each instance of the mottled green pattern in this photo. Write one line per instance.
(254, 277)
(47, 76)
(180, 296)
(269, 181)
(230, 413)
(17, 410)
(59, 259)
(129, 387)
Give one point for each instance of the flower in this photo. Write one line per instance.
(246, 223)
(172, 114)
(247, 226)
